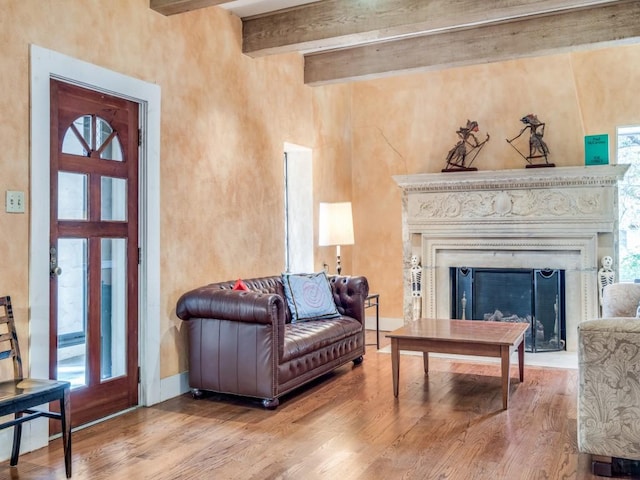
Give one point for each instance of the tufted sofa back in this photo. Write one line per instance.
(272, 284)
(347, 292)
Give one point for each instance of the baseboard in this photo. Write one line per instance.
(6, 440)
(173, 386)
(34, 436)
(387, 324)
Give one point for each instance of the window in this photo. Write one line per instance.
(299, 230)
(629, 204)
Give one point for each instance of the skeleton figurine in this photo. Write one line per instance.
(606, 275)
(416, 286)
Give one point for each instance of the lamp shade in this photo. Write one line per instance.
(336, 224)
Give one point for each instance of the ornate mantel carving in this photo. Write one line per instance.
(566, 215)
(547, 195)
(517, 203)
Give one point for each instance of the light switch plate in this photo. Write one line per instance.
(15, 202)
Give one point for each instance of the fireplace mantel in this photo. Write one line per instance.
(603, 175)
(562, 217)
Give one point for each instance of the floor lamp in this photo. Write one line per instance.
(335, 227)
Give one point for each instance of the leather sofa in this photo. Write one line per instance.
(244, 343)
(609, 382)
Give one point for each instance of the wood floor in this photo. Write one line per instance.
(449, 425)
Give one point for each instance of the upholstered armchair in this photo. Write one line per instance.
(609, 380)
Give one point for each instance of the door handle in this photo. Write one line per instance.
(54, 269)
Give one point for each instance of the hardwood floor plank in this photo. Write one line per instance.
(347, 425)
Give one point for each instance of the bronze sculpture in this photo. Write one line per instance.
(468, 144)
(537, 147)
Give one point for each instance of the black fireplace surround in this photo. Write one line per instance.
(535, 296)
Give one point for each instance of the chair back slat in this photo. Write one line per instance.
(9, 347)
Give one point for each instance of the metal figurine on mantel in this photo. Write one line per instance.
(538, 149)
(459, 154)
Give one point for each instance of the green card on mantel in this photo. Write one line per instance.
(596, 149)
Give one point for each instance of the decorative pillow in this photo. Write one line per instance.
(309, 296)
(240, 285)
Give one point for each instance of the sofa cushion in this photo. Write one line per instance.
(309, 296)
(304, 337)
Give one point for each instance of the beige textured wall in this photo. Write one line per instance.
(407, 124)
(225, 119)
(332, 170)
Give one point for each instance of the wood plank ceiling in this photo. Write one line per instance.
(347, 40)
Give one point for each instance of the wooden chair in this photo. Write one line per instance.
(20, 395)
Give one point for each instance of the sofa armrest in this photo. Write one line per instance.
(609, 387)
(235, 305)
(349, 294)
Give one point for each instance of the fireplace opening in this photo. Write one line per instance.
(535, 296)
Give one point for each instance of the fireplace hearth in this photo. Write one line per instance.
(533, 296)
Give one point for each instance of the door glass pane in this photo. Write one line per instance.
(77, 138)
(113, 308)
(72, 196)
(112, 149)
(72, 311)
(113, 199)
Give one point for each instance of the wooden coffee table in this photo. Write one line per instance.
(464, 337)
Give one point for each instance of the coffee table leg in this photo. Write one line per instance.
(504, 353)
(521, 360)
(425, 359)
(395, 365)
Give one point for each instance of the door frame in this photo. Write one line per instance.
(46, 64)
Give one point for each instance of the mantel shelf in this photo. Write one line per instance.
(604, 175)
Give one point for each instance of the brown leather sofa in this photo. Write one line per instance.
(243, 342)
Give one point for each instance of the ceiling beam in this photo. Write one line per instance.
(330, 24)
(597, 26)
(173, 7)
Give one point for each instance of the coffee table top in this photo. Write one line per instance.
(476, 331)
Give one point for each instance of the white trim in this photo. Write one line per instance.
(174, 386)
(387, 324)
(47, 64)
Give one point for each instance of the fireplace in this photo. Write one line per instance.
(532, 296)
(562, 218)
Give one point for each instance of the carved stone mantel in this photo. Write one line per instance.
(563, 217)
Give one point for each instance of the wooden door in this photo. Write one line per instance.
(94, 249)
